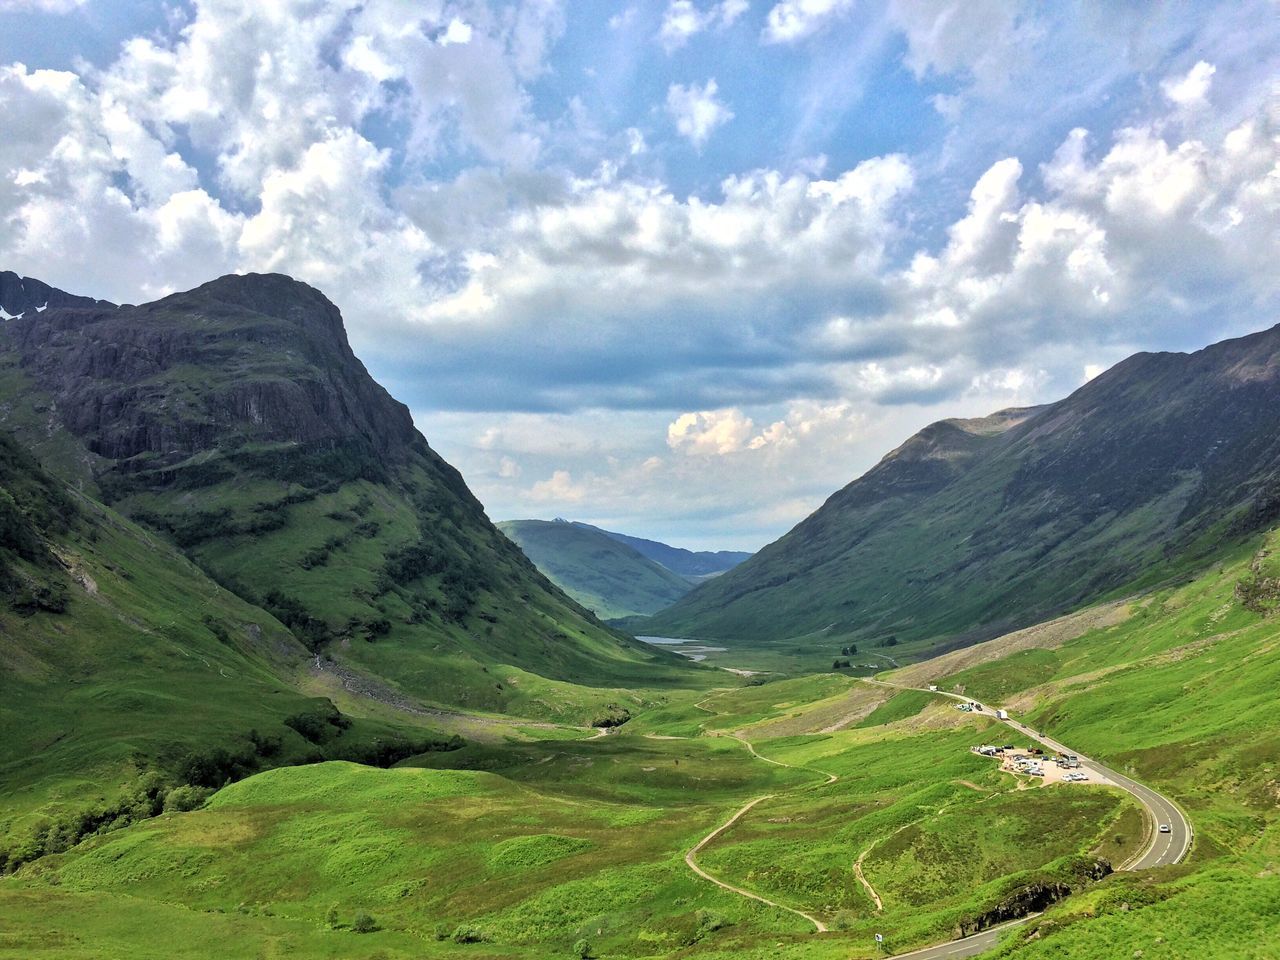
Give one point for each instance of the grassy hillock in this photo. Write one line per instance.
(606, 576)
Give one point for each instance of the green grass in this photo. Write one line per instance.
(898, 707)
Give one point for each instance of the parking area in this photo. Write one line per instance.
(1039, 764)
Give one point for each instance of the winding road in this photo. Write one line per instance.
(1161, 848)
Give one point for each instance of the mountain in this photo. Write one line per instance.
(126, 673)
(973, 527)
(236, 420)
(597, 569)
(695, 565)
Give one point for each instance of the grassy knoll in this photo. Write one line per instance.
(426, 852)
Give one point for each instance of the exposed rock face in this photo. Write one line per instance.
(21, 295)
(241, 359)
(1033, 898)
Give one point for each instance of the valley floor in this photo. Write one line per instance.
(790, 818)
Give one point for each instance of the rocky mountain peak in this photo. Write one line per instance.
(258, 358)
(272, 295)
(22, 295)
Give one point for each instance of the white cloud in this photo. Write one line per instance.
(986, 40)
(558, 488)
(43, 6)
(696, 111)
(717, 432)
(793, 20)
(1192, 88)
(458, 31)
(684, 19)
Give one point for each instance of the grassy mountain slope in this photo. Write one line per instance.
(603, 574)
(976, 527)
(1181, 695)
(235, 419)
(125, 672)
(694, 564)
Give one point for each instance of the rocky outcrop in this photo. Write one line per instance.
(243, 359)
(22, 295)
(1034, 898)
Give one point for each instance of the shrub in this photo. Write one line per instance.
(582, 950)
(363, 923)
(331, 917)
(184, 798)
(465, 933)
(319, 723)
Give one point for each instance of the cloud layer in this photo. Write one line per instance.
(535, 224)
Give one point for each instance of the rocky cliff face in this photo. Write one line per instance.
(236, 361)
(21, 295)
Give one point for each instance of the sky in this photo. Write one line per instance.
(681, 268)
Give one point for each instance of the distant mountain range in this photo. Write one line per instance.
(615, 576)
(602, 573)
(694, 564)
(974, 527)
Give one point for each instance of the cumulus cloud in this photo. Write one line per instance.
(684, 19)
(1192, 88)
(710, 432)
(558, 488)
(793, 20)
(696, 111)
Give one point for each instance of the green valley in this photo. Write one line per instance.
(274, 685)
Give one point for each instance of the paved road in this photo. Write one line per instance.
(1160, 850)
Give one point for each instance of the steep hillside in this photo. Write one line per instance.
(694, 564)
(126, 672)
(235, 419)
(975, 527)
(602, 573)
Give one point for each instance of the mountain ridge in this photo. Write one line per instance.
(693, 564)
(961, 533)
(603, 573)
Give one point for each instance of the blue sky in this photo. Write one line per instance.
(682, 267)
